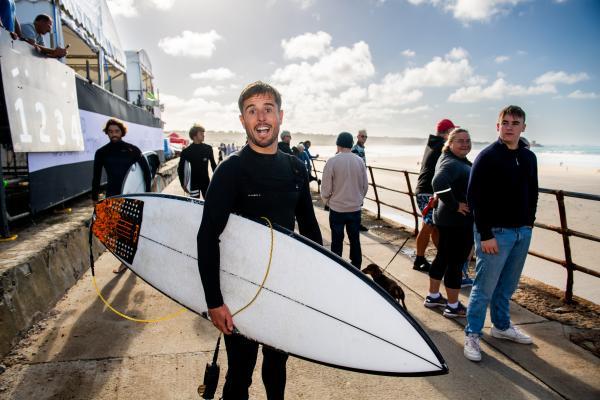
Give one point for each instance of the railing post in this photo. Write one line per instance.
(412, 202)
(560, 198)
(375, 191)
(312, 161)
(4, 230)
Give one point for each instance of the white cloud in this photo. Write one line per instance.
(497, 91)
(501, 59)
(309, 45)
(415, 110)
(304, 4)
(457, 53)
(408, 53)
(340, 67)
(215, 74)
(182, 113)
(192, 44)
(163, 4)
(472, 10)
(578, 94)
(206, 91)
(129, 9)
(124, 8)
(554, 77)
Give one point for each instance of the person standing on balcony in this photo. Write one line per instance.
(424, 191)
(33, 33)
(8, 19)
(503, 195)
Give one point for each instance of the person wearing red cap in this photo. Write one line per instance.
(424, 191)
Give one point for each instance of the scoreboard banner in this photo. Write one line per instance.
(41, 101)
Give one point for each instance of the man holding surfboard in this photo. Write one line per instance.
(258, 181)
(116, 158)
(198, 155)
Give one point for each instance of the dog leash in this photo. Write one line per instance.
(401, 247)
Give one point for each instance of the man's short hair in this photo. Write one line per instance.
(362, 131)
(117, 122)
(42, 18)
(284, 134)
(195, 129)
(307, 142)
(258, 88)
(515, 111)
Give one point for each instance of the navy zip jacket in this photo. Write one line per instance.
(503, 188)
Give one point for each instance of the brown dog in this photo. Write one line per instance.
(386, 283)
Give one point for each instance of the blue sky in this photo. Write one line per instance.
(394, 67)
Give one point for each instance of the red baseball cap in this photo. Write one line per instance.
(444, 125)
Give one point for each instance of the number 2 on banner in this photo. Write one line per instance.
(39, 107)
(25, 136)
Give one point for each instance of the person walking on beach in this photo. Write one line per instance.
(344, 185)
(116, 158)
(424, 192)
(198, 154)
(258, 181)
(503, 194)
(284, 145)
(454, 223)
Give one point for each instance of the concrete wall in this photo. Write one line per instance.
(36, 272)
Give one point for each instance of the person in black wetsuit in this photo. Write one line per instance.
(116, 158)
(198, 154)
(258, 181)
(284, 145)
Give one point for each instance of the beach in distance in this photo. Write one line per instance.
(568, 168)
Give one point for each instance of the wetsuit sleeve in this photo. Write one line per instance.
(442, 181)
(211, 157)
(533, 190)
(219, 203)
(305, 214)
(97, 174)
(181, 169)
(476, 193)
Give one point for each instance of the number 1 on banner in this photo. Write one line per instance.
(25, 136)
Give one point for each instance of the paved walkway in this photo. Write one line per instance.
(84, 351)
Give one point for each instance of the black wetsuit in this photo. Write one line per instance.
(252, 185)
(285, 147)
(116, 158)
(432, 153)
(198, 155)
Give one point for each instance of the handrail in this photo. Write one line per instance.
(563, 229)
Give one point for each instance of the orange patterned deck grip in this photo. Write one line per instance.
(117, 223)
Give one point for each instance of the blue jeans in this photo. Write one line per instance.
(497, 277)
(351, 221)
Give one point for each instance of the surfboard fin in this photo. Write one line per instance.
(211, 376)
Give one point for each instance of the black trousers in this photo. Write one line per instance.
(241, 360)
(453, 249)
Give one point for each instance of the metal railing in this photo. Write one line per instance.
(563, 229)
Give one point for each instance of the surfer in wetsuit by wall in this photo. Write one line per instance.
(116, 157)
(259, 181)
(198, 154)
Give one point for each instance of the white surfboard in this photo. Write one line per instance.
(187, 176)
(314, 305)
(134, 180)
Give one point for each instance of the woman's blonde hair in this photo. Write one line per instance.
(452, 136)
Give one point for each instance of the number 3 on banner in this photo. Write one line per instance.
(25, 136)
(62, 136)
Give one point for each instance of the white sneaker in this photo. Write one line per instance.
(512, 333)
(472, 351)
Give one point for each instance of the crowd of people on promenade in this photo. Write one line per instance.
(486, 208)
